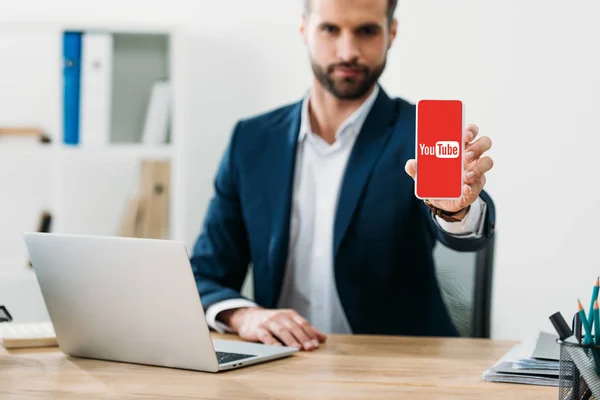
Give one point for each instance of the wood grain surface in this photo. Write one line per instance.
(345, 367)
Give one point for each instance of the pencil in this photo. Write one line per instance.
(587, 339)
(596, 336)
(596, 323)
(593, 299)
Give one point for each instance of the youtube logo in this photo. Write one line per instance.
(441, 149)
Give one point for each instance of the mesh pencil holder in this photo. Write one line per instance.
(579, 371)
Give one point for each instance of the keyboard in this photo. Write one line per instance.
(223, 357)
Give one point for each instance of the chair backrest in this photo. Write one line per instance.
(465, 279)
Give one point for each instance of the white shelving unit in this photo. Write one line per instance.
(86, 189)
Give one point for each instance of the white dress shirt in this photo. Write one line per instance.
(308, 286)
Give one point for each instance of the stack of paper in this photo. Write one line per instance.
(533, 362)
(27, 334)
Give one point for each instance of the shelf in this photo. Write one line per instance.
(12, 151)
(87, 187)
(121, 150)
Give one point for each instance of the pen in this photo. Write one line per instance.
(594, 298)
(577, 327)
(560, 325)
(587, 339)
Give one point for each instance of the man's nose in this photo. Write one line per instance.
(347, 47)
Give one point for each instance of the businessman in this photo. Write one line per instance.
(318, 196)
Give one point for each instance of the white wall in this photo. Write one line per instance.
(527, 72)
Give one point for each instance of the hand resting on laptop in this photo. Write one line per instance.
(273, 327)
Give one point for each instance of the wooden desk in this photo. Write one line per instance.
(346, 367)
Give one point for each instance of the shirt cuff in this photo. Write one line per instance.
(215, 309)
(471, 226)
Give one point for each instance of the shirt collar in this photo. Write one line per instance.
(352, 124)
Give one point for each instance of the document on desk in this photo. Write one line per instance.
(546, 347)
(27, 334)
(522, 364)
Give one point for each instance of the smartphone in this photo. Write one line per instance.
(439, 149)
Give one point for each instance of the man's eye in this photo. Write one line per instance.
(329, 29)
(367, 31)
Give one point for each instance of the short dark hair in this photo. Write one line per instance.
(392, 4)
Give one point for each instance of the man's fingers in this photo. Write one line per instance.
(265, 337)
(484, 164)
(282, 333)
(300, 334)
(473, 189)
(479, 168)
(477, 186)
(310, 331)
(471, 133)
(411, 168)
(476, 149)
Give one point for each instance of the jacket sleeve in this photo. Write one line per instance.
(464, 243)
(221, 254)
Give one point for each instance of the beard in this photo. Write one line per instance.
(348, 88)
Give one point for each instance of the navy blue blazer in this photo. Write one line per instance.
(383, 236)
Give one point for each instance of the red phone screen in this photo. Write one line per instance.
(439, 149)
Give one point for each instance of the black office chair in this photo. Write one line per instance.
(465, 279)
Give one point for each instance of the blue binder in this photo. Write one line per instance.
(72, 86)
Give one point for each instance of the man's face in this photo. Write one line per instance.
(347, 42)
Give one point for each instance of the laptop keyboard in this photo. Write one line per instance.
(223, 357)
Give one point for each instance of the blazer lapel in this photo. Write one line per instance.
(365, 153)
(281, 159)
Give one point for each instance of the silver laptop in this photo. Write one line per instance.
(132, 300)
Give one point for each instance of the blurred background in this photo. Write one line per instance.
(182, 72)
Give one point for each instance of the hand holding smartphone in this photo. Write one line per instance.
(439, 149)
